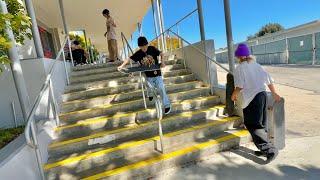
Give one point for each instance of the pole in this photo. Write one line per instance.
(86, 42)
(161, 25)
(155, 23)
(66, 31)
(35, 29)
(203, 40)
(140, 29)
(91, 51)
(314, 49)
(201, 21)
(229, 34)
(16, 68)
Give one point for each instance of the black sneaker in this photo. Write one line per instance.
(259, 153)
(271, 156)
(167, 110)
(150, 98)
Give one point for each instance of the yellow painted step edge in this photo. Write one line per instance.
(106, 118)
(104, 133)
(125, 103)
(162, 157)
(134, 143)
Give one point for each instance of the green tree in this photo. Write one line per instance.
(267, 29)
(20, 25)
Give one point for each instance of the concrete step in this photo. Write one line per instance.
(130, 105)
(132, 164)
(109, 69)
(91, 139)
(116, 98)
(95, 66)
(116, 74)
(88, 126)
(118, 86)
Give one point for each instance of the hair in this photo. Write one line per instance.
(247, 58)
(142, 41)
(76, 42)
(106, 11)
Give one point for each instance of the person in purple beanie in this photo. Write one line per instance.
(250, 79)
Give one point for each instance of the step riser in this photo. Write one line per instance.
(121, 81)
(149, 148)
(100, 77)
(144, 172)
(90, 103)
(123, 88)
(138, 104)
(148, 130)
(190, 158)
(98, 74)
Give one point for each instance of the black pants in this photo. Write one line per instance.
(255, 119)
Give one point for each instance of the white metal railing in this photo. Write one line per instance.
(31, 129)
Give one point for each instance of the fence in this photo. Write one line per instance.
(304, 49)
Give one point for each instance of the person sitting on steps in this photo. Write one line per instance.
(146, 56)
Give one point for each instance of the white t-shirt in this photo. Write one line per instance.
(111, 31)
(252, 78)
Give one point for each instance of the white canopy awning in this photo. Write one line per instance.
(87, 14)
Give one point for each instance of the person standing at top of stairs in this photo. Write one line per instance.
(147, 56)
(251, 80)
(111, 36)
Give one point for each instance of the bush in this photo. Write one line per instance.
(20, 25)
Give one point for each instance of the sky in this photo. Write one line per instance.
(248, 16)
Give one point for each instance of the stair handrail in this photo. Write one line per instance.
(30, 128)
(153, 90)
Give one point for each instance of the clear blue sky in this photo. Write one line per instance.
(247, 17)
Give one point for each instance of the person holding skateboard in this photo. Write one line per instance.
(148, 56)
(251, 79)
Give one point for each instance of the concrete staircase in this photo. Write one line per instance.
(106, 133)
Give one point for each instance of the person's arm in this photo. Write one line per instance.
(238, 83)
(235, 94)
(125, 62)
(276, 97)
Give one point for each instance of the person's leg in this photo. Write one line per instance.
(254, 120)
(116, 50)
(151, 80)
(162, 90)
(110, 50)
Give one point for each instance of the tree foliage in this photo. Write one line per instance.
(267, 29)
(20, 25)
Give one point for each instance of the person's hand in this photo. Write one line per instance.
(234, 96)
(162, 65)
(119, 68)
(276, 97)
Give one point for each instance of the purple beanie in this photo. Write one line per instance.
(242, 50)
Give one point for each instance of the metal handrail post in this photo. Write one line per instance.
(65, 67)
(70, 50)
(143, 93)
(37, 149)
(54, 107)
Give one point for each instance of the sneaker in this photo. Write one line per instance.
(259, 153)
(150, 98)
(271, 156)
(167, 110)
